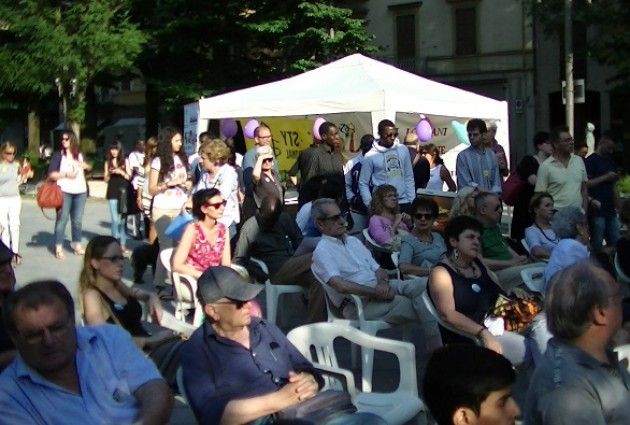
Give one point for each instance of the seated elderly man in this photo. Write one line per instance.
(496, 253)
(239, 369)
(68, 375)
(273, 237)
(580, 380)
(345, 266)
(571, 227)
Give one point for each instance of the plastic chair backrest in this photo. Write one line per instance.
(165, 258)
(534, 279)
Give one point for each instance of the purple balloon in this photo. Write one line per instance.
(250, 128)
(318, 122)
(424, 131)
(229, 128)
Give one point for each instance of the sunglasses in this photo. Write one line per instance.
(498, 207)
(114, 258)
(267, 160)
(237, 303)
(335, 217)
(217, 205)
(9, 153)
(65, 138)
(421, 216)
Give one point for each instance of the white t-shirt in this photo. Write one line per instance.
(70, 165)
(175, 197)
(136, 160)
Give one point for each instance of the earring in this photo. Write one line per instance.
(456, 254)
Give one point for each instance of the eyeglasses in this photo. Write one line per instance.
(114, 258)
(55, 331)
(421, 216)
(237, 303)
(335, 217)
(217, 205)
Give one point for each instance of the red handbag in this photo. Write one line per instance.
(49, 195)
(511, 189)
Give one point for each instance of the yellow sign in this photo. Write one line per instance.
(290, 137)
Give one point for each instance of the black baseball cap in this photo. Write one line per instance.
(224, 282)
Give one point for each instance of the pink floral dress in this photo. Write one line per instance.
(202, 254)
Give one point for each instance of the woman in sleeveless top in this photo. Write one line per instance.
(10, 201)
(540, 237)
(438, 172)
(67, 168)
(463, 293)
(203, 243)
(117, 177)
(106, 299)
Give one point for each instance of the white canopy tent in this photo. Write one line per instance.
(356, 83)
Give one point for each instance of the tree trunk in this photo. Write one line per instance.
(91, 113)
(34, 136)
(152, 112)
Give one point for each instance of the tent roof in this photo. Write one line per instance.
(355, 83)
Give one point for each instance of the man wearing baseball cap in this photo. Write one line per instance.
(238, 368)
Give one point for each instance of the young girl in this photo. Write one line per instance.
(117, 178)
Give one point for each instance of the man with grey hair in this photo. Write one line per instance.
(570, 226)
(580, 380)
(345, 266)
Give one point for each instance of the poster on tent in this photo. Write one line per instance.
(191, 128)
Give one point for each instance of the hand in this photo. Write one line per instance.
(612, 176)
(397, 219)
(155, 308)
(520, 293)
(306, 385)
(139, 202)
(519, 260)
(489, 341)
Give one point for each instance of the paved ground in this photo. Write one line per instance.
(39, 262)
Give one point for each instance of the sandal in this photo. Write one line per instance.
(78, 249)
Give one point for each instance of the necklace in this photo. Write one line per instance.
(459, 269)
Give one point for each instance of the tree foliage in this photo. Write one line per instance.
(44, 40)
(608, 28)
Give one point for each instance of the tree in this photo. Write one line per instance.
(70, 42)
(236, 43)
(608, 37)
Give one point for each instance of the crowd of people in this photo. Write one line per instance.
(240, 368)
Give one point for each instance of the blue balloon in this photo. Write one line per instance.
(460, 132)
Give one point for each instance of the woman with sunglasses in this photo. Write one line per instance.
(264, 178)
(218, 174)
(106, 299)
(422, 248)
(203, 243)
(540, 237)
(386, 223)
(67, 168)
(439, 174)
(10, 201)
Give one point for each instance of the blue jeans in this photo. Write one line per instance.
(119, 222)
(604, 228)
(73, 206)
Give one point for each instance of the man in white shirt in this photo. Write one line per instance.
(345, 266)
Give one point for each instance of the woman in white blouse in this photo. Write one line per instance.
(67, 168)
(169, 184)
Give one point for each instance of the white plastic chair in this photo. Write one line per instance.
(526, 246)
(429, 305)
(380, 248)
(274, 292)
(623, 354)
(179, 379)
(184, 289)
(371, 327)
(534, 279)
(623, 278)
(396, 407)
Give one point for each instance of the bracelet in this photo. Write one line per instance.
(478, 334)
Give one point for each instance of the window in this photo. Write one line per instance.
(405, 37)
(465, 31)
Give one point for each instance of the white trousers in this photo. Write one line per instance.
(10, 208)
